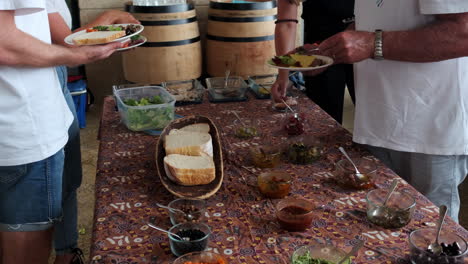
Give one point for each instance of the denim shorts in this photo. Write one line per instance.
(31, 194)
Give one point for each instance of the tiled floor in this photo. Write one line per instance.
(89, 150)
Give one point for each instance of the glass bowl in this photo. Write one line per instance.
(201, 257)
(420, 239)
(320, 252)
(274, 184)
(303, 150)
(396, 213)
(294, 124)
(294, 214)
(219, 88)
(198, 233)
(345, 174)
(266, 156)
(246, 129)
(194, 210)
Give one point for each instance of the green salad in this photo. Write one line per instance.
(308, 259)
(139, 119)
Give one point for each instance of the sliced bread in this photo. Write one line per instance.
(190, 170)
(188, 143)
(198, 127)
(97, 37)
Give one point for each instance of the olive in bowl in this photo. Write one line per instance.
(195, 238)
(274, 184)
(396, 213)
(187, 210)
(295, 214)
(345, 174)
(454, 247)
(201, 257)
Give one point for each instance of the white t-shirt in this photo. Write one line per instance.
(405, 106)
(34, 117)
(60, 6)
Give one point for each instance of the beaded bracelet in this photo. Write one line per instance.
(286, 20)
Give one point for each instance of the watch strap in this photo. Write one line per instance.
(378, 45)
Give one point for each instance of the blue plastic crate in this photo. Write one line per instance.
(80, 98)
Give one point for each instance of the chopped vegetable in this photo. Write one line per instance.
(308, 259)
(138, 119)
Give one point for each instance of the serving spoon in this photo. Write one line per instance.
(379, 211)
(189, 216)
(353, 251)
(435, 247)
(358, 174)
(168, 232)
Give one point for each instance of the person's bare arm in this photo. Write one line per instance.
(21, 49)
(446, 38)
(285, 39)
(59, 29)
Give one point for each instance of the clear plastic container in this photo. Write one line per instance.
(186, 92)
(155, 115)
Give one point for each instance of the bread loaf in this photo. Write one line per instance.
(198, 127)
(190, 170)
(188, 143)
(97, 37)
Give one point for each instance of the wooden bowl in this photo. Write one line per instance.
(198, 191)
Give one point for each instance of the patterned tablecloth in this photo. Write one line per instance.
(243, 223)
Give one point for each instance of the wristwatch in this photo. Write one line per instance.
(378, 45)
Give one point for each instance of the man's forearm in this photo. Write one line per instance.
(446, 38)
(21, 49)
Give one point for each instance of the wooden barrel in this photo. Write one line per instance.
(173, 49)
(240, 37)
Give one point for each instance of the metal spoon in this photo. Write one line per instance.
(358, 174)
(435, 247)
(227, 73)
(380, 210)
(170, 233)
(289, 107)
(189, 216)
(353, 251)
(238, 117)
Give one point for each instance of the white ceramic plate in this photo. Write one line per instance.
(134, 46)
(328, 61)
(69, 38)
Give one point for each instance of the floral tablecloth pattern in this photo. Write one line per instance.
(243, 223)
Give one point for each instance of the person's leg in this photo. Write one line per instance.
(30, 203)
(327, 91)
(37, 244)
(66, 231)
(435, 176)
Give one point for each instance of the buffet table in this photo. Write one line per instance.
(243, 222)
